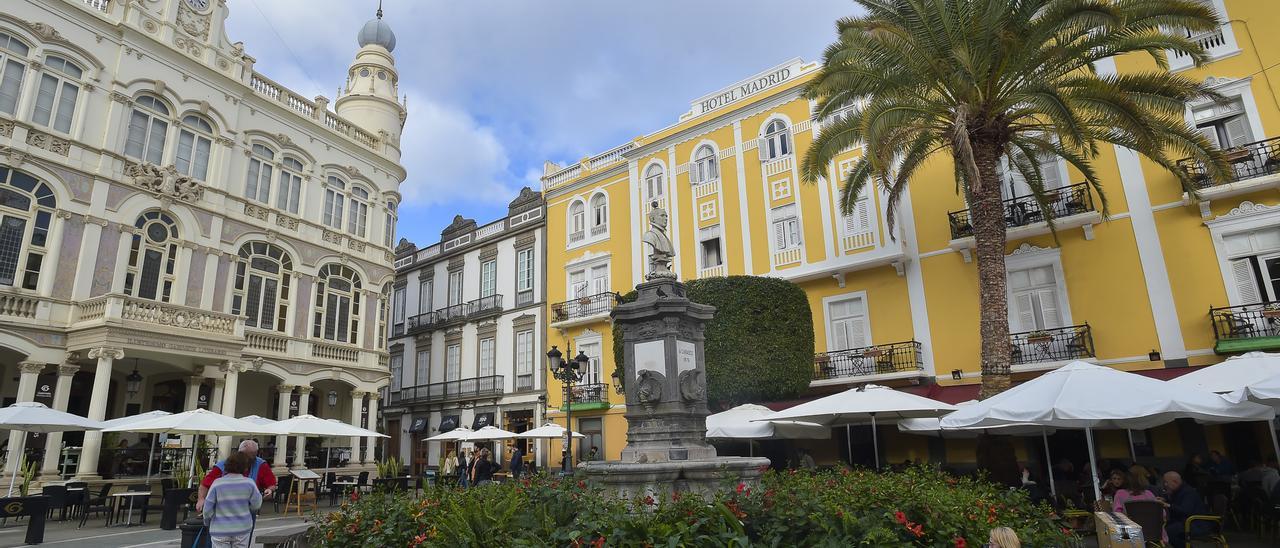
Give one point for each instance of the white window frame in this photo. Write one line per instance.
(655, 181)
(1248, 217)
(587, 268)
(11, 59)
(457, 282)
(827, 319)
(487, 364)
(422, 367)
(1239, 89)
(64, 82)
(396, 366)
(526, 269)
(1029, 256)
(599, 211)
(358, 211)
(243, 279)
(776, 217)
(149, 151)
(170, 254)
(594, 372)
(577, 221)
(32, 259)
(1228, 48)
(703, 234)
(489, 278)
(389, 224)
(200, 132)
(258, 176)
(398, 309)
(335, 201)
(320, 316)
(774, 141)
(704, 168)
(525, 358)
(453, 362)
(289, 189)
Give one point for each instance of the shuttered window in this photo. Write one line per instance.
(1034, 299)
(847, 324)
(786, 227)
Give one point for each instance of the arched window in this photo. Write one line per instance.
(261, 291)
(358, 216)
(653, 182)
(153, 257)
(290, 189)
(258, 185)
(26, 210)
(337, 306)
(777, 140)
(335, 195)
(577, 221)
(147, 129)
(56, 98)
(194, 142)
(389, 227)
(13, 66)
(704, 166)
(599, 214)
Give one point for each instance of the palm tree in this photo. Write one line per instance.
(995, 83)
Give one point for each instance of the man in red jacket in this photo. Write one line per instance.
(259, 471)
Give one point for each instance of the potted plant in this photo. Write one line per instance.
(1039, 336)
(29, 470)
(1271, 310)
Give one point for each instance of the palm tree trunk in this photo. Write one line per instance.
(987, 216)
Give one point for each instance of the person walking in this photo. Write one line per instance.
(259, 471)
(464, 469)
(482, 470)
(517, 462)
(230, 505)
(450, 465)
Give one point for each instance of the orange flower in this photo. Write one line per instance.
(900, 517)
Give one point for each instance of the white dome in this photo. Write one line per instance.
(377, 32)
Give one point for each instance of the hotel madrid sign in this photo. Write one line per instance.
(754, 85)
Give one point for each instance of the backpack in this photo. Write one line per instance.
(253, 470)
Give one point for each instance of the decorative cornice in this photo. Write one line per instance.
(68, 369)
(1028, 249)
(305, 389)
(30, 368)
(106, 352)
(283, 388)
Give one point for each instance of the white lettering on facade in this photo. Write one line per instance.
(742, 91)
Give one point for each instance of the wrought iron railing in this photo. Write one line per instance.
(463, 389)
(590, 393)
(584, 307)
(1247, 161)
(1246, 321)
(1051, 345)
(470, 310)
(1025, 210)
(524, 382)
(895, 357)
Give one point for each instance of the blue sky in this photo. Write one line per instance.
(497, 87)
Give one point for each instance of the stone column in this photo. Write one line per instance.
(370, 443)
(282, 442)
(53, 442)
(357, 404)
(29, 376)
(300, 454)
(192, 400)
(88, 468)
(215, 397)
(226, 401)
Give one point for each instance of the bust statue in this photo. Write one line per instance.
(660, 249)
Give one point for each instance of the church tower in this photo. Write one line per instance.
(370, 98)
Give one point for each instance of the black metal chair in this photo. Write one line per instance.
(57, 495)
(283, 484)
(1149, 515)
(96, 504)
(1215, 532)
(362, 482)
(77, 496)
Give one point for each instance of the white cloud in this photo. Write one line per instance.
(450, 158)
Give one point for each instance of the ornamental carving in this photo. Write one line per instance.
(332, 237)
(193, 23)
(49, 143)
(166, 181)
(1247, 207)
(355, 244)
(46, 32)
(692, 388)
(16, 157)
(286, 222)
(255, 211)
(6, 128)
(192, 47)
(649, 386)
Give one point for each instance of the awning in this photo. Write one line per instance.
(449, 423)
(419, 425)
(482, 420)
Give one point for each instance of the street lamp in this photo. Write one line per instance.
(567, 372)
(333, 399)
(133, 382)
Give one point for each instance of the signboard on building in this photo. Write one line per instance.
(749, 87)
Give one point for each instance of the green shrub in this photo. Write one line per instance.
(759, 344)
(917, 507)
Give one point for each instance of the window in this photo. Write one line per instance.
(455, 287)
(337, 304)
(194, 141)
(357, 218)
(593, 429)
(147, 129)
(488, 278)
(258, 186)
(389, 224)
(847, 324)
(1050, 176)
(425, 287)
(577, 221)
(261, 290)
(487, 357)
(585, 282)
(524, 275)
(384, 314)
(777, 141)
(524, 360)
(858, 219)
(453, 362)
(422, 373)
(334, 198)
(397, 310)
(397, 371)
(1255, 264)
(653, 182)
(786, 228)
(704, 166)
(1034, 299)
(599, 214)
(13, 66)
(592, 373)
(26, 211)
(289, 189)
(56, 98)
(1225, 125)
(709, 242)
(153, 257)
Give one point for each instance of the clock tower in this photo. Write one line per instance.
(370, 97)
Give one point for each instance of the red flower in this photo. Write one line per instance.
(900, 517)
(648, 500)
(917, 530)
(741, 486)
(959, 542)
(599, 542)
(582, 484)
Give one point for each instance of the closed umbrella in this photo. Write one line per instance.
(197, 422)
(861, 405)
(151, 452)
(1089, 396)
(1236, 374)
(37, 417)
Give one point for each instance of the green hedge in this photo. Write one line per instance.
(759, 346)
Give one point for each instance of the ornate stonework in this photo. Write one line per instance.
(166, 181)
(48, 142)
(191, 22)
(255, 211)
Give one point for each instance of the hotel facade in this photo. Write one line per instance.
(1162, 283)
(178, 231)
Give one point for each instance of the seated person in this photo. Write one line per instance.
(1181, 502)
(1134, 490)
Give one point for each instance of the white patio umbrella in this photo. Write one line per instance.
(255, 419)
(932, 427)
(37, 417)
(1265, 392)
(861, 405)
(1088, 396)
(548, 431)
(1235, 374)
(489, 433)
(457, 434)
(313, 426)
(736, 424)
(197, 422)
(151, 452)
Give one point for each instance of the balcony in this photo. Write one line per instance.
(150, 316)
(273, 344)
(584, 309)
(1214, 42)
(450, 391)
(474, 310)
(880, 362)
(1246, 328)
(1024, 217)
(586, 397)
(1254, 167)
(1049, 348)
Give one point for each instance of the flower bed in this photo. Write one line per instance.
(917, 507)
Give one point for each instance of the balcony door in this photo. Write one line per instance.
(1034, 299)
(1016, 185)
(847, 325)
(592, 373)
(1254, 265)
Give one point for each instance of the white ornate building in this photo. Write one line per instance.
(179, 231)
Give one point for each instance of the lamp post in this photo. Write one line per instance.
(567, 372)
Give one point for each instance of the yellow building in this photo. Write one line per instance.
(1143, 289)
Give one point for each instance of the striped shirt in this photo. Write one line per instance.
(228, 509)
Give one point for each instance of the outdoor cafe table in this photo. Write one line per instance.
(346, 486)
(118, 499)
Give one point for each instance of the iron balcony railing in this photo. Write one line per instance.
(468, 311)
(1246, 321)
(584, 307)
(463, 389)
(1247, 161)
(895, 357)
(1051, 345)
(590, 393)
(1025, 210)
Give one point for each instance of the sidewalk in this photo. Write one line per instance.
(94, 535)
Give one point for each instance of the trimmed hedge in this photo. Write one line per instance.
(759, 345)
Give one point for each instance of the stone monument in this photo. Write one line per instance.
(666, 389)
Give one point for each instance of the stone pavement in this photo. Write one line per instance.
(94, 535)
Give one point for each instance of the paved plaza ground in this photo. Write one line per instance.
(94, 535)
